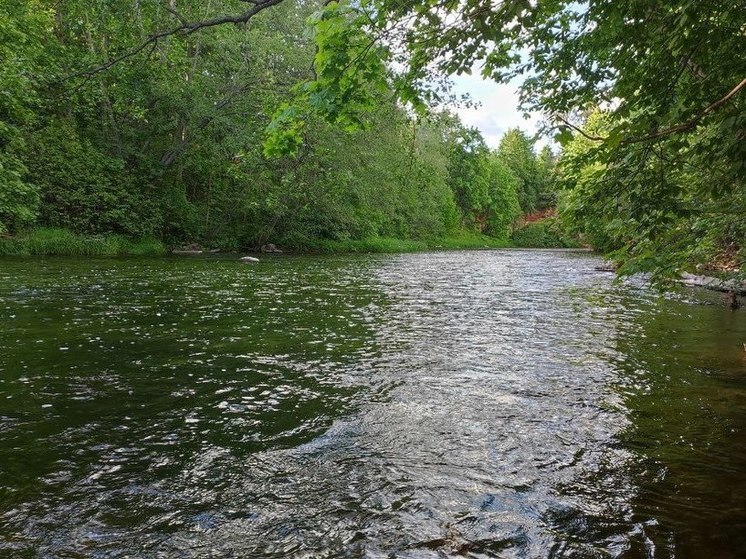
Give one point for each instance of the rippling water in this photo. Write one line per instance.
(458, 404)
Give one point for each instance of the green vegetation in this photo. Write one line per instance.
(463, 241)
(60, 242)
(547, 233)
(324, 126)
(677, 209)
(659, 180)
(180, 144)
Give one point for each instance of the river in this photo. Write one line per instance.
(453, 404)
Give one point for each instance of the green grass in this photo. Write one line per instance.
(373, 244)
(391, 245)
(59, 242)
(467, 240)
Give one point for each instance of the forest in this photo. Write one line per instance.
(232, 124)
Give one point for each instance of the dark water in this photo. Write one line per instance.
(475, 404)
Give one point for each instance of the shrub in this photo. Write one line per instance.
(546, 233)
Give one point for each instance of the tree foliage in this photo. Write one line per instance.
(663, 72)
(121, 118)
(169, 102)
(23, 27)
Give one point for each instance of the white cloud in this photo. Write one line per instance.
(497, 110)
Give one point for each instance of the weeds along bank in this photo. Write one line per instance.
(59, 242)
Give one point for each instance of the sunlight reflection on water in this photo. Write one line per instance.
(481, 404)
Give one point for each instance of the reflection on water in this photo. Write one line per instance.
(476, 404)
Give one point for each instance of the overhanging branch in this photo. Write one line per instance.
(186, 28)
(688, 125)
(691, 123)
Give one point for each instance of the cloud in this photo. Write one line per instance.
(497, 110)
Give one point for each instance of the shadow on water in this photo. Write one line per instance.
(132, 395)
(684, 383)
(482, 404)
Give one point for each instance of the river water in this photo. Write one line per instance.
(454, 404)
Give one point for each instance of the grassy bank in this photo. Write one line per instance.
(59, 242)
(387, 244)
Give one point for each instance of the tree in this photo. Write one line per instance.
(504, 207)
(672, 92)
(469, 174)
(178, 96)
(665, 219)
(517, 153)
(546, 163)
(23, 27)
(167, 141)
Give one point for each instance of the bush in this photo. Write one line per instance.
(463, 240)
(546, 233)
(372, 244)
(85, 190)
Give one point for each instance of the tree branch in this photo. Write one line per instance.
(688, 125)
(691, 123)
(581, 131)
(186, 28)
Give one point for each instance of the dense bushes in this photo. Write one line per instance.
(83, 189)
(547, 233)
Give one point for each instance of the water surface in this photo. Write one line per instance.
(456, 404)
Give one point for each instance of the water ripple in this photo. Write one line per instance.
(480, 404)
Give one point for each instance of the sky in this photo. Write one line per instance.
(498, 110)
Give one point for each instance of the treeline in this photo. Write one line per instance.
(168, 143)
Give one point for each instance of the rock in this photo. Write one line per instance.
(606, 267)
(248, 259)
(191, 248)
(716, 284)
(269, 247)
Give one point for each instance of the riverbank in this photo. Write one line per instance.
(60, 242)
(393, 245)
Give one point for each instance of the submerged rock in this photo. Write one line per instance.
(185, 251)
(248, 259)
(269, 247)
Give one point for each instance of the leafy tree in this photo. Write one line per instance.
(150, 118)
(546, 163)
(23, 28)
(517, 153)
(469, 174)
(504, 207)
(664, 71)
(584, 204)
(664, 219)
